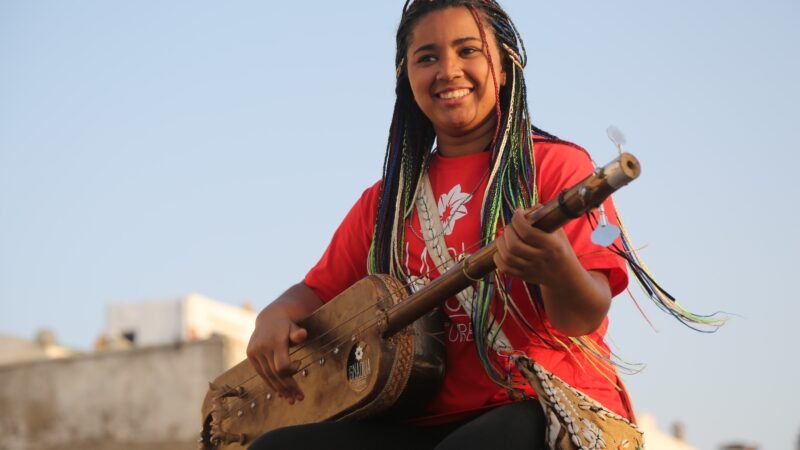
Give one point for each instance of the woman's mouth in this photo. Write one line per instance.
(454, 94)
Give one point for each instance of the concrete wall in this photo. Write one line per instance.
(15, 350)
(144, 398)
(125, 400)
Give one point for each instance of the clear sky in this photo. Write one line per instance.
(152, 149)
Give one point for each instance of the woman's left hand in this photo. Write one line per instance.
(533, 255)
(575, 300)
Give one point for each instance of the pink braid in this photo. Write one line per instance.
(476, 14)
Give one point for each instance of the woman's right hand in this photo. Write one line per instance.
(276, 331)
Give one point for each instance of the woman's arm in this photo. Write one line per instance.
(575, 300)
(277, 329)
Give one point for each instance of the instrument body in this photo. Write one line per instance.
(348, 370)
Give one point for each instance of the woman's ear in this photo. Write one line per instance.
(506, 65)
(503, 70)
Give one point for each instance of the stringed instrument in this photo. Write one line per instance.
(375, 347)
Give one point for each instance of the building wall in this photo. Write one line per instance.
(126, 400)
(655, 439)
(16, 350)
(204, 317)
(151, 322)
(188, 318)
(143, 398)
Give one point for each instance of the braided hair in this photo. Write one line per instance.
(511, 182)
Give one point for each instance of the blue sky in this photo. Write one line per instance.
(151, 149)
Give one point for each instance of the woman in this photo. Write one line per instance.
(462, 125)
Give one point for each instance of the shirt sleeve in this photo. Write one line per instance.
(561, 165)
(345, 260)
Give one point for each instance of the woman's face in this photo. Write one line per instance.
(449, 73)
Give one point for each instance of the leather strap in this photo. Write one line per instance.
(433, 233)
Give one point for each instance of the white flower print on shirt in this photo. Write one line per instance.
(452, 206)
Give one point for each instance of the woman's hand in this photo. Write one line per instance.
(576, 300)
(277, 330)
(533, 255)
(268, 352)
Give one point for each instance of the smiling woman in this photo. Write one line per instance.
(451, 80)
(462, 141)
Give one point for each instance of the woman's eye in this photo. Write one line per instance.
(466, 51)
(426, 59)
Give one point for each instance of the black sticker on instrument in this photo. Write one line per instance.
(359, 367)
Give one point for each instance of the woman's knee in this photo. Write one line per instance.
(279, 439)
(350, 435)
(515, 426)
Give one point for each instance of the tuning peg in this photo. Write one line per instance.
(227, 391)
(616, 136)
(605, 234)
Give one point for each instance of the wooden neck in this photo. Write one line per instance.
(570, 204)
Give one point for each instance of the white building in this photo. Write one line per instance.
(185, 319)
(655, 439)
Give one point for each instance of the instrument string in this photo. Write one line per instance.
(329, 347)
(336, 343)
(380, 302)
(326, 348)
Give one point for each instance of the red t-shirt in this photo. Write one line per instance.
(458, 186)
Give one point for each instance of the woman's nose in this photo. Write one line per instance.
(449, 68)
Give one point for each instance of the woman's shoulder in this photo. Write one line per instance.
(555, 154)
(368, 200)
(373, 192)
(548, 147)
(374, 188)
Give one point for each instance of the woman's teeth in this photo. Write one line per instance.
(454, 94)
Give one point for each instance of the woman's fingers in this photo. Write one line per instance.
(283, 364)
(528, 234)
(285, 367)
(505, 259)
(261, 366)
(516, 249)
(257, 366)
(528, 253)
(283, 384)
(263, 360)
(297, 335)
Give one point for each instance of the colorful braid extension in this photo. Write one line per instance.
(511, 184)
(663, 299)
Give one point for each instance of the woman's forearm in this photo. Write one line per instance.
(579, 302)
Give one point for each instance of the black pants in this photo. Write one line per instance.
(509, 427)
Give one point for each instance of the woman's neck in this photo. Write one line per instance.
(474, 141)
